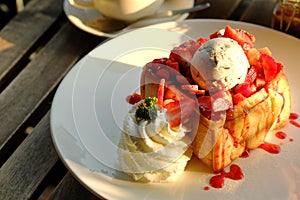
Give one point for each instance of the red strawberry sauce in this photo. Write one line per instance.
(280, 135)
(293, 117)
(206, 188)
(245, 154)
(269, 147)
(235, 173)
(296, 124)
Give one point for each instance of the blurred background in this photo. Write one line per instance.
(9, 8)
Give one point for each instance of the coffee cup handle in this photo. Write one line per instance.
(82, 4)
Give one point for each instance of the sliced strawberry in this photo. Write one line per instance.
(238, 97)
(162, 68)
(181, 55)
(160, 60)
(160, 93)
(241, 87)
(169, 94)
(279, 67)
(260, 82)
(193, 89)
(215, 35)
(151, 68)
(269, 66)
(201, 41)
(259, 69)
(184, 53)
(246, 89)
(191, 45)
(252, 88)
(167, 101)
(242, 37)
(265, 50)
(173, 65)
(134, 98)
(179, 111)
(173, 92)
(251, 75)
(163, 73)
(221, 104)
(253, 56)
(221, 101)
(246, 35)
(205, 106)
(189, 87)
(173, 113)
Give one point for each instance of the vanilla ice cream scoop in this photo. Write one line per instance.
(218, 64)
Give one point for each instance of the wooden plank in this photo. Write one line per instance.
(219, 9)
(29, 165)
(17, 43)
(28, 90)
(259, 12)
(70, 188)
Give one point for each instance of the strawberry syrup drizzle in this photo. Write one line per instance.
(206, 188)
(274, 148)
(281, 135)
(293, 117)
(245, 154)
(269, 147)
(235, 173)
(296, 124)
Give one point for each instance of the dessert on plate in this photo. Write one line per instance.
(248, 96)
(228, 93)
(155, 145)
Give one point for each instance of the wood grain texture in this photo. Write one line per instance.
(40, 77)
(38, 16)
(70, 188)
(29, 165)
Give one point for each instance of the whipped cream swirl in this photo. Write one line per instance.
(152, 151)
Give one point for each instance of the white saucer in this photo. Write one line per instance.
(89, 19)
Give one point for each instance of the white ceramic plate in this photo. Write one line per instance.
(89, 19)
(89, 106)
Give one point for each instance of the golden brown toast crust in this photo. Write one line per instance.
(245, 126)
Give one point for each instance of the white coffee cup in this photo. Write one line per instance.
(124, 10)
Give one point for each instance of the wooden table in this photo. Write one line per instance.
(37, 49)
